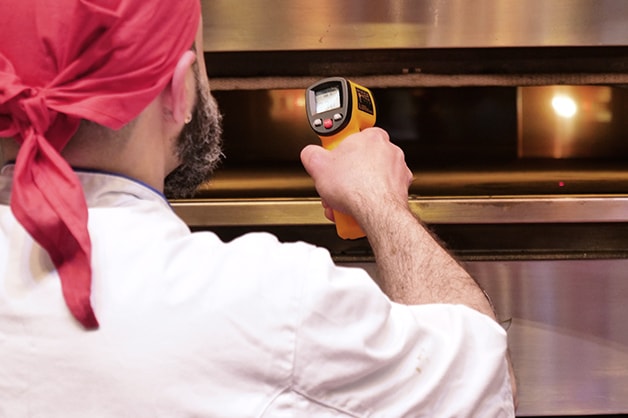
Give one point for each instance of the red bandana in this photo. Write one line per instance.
(66, 60)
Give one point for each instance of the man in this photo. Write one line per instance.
(110, 307)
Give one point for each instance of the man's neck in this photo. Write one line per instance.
(8, 150)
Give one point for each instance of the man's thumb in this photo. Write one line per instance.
(312, 158)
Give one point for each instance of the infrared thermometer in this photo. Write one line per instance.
(337, 108)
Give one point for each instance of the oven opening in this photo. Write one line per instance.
(459, 141)
(496, 169)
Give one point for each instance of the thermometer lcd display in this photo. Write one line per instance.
(327, 99)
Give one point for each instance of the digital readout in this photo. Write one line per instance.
(327, 99)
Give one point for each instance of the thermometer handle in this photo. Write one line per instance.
(346, 226)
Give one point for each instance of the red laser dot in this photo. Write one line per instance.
(561, 183)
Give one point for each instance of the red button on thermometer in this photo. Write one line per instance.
(337, 108)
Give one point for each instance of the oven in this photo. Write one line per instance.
(513, 117)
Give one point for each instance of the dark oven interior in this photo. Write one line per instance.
(496, 168)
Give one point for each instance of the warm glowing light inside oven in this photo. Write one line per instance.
(564, 121)
(564, 106)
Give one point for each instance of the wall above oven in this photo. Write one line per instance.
(251, 25)
(401, 43)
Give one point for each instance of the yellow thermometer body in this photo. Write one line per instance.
(337, 108)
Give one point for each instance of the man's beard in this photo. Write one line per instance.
(199, 147)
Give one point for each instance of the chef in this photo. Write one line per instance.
(111, 307)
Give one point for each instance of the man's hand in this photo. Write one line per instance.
(360, 176)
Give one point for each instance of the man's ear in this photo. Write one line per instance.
(183, 89)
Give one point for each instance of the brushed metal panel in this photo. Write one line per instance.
(252, 25)
(568, 334)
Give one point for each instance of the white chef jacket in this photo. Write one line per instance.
(194, 327)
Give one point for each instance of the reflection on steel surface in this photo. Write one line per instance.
(568, 337)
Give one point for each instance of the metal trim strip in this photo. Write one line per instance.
(440, 210)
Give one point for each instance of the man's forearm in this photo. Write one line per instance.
(414, 268)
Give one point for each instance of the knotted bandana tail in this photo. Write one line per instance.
(57, 221)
